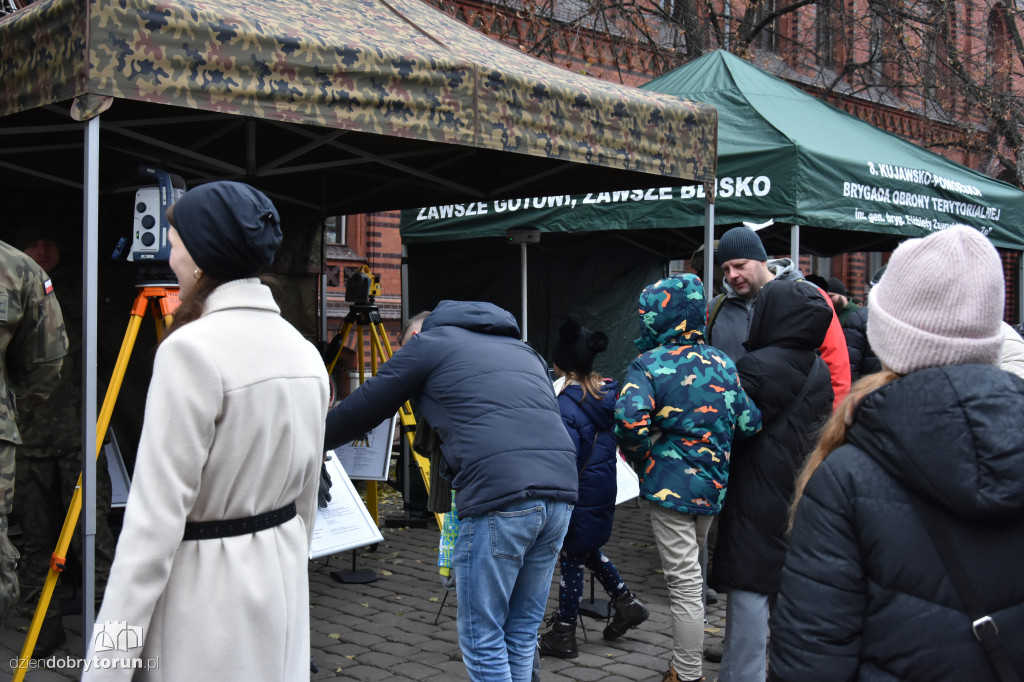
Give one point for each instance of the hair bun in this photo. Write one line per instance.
(597, 342)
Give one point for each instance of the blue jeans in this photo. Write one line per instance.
(503, 564)
(745, 649)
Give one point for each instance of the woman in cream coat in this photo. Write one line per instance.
(233, 430)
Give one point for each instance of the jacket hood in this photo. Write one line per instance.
(672, 311)
(951, 434)
(601, 413)
(476, 316)
(784, 268)
(789, 314)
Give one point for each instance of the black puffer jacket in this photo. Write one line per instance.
(865, 595)
(790, 321)
(863, 360)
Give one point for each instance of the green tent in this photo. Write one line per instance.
(782, 155)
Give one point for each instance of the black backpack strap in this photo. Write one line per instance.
(984, 627)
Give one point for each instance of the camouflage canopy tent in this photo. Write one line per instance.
(399, 104)
(330, 106)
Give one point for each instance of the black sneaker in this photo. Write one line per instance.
(560, 640)
(713, 653)
(629, 612)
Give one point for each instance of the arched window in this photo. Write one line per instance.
(938, 76)
(998, 49)
(831, 25)
(768, 38)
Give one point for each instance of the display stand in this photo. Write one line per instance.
(355, 576)
(595, 608)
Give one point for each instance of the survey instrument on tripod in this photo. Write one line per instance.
(364, 318)
(161, 301)
(158, 293)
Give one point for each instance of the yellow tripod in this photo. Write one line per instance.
(365, 317)
(162, 300)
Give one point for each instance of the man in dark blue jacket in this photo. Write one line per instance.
(508, 457)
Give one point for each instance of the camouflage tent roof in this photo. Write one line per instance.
(359, 68)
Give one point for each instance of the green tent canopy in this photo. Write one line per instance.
(783, 155)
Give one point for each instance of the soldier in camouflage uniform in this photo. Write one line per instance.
(50, 458)
(678, 410)
(32, 349)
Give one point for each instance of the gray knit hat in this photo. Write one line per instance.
(940, 303)
(740, 242)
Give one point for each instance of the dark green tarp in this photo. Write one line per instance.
(782, 155)
(595, 277)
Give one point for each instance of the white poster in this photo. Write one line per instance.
(345, 522)
(628, 481)
(120, 482)
(369, 458)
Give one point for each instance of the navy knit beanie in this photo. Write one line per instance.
(836, 286)
(230, 229)
(740, 242)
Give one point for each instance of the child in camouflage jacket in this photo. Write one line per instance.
(681, 402)
(677, 413)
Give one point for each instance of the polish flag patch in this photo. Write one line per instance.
(48, 285)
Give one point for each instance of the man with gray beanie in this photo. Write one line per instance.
(746, 267)
(908, 533)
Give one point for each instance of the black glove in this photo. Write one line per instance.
(448, 582)
(324, 494)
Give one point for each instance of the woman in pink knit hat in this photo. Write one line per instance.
(926, 454)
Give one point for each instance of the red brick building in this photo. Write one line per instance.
(945, 75)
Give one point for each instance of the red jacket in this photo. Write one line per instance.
(836, 356)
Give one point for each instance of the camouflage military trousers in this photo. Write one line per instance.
(8, 554)
(43, 495)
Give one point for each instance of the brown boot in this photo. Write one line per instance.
(672, 676)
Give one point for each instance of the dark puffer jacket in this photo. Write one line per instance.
(590, 424)
(863, 360)
(790, 321)
(488, 396)
(865, 595)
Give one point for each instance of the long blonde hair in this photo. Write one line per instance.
(592, 384)
(833, 434)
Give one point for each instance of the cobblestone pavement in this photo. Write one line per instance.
(401, 627)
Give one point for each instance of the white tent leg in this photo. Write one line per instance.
(794, 245)
(709, 249)
(522, 251)
(405, 285)
(90, 247)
